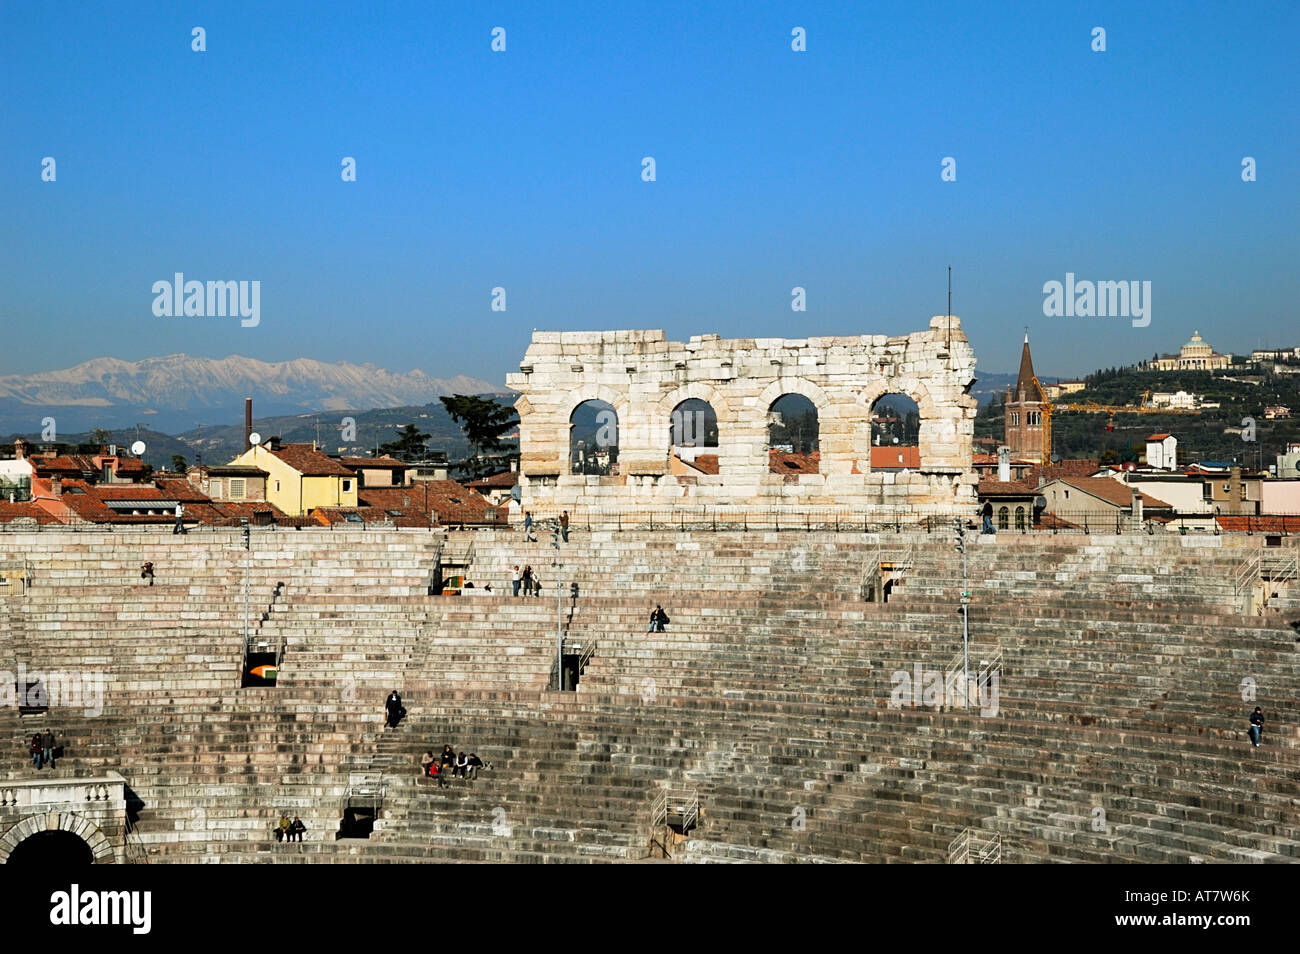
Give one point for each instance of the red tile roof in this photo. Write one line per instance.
(895, 458)
(1157, 437)
(507, 478)
(450, 501)
(310, 462)
(1113, 491)
(1265, 523)
(383, 463)
(991, 487)
(24, 509)
(784, 463)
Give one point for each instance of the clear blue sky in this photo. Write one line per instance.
(522, 169)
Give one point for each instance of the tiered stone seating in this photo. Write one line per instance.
(1123, 667)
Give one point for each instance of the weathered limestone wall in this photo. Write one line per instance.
(644, 377)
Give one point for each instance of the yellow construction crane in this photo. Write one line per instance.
(1092, 407)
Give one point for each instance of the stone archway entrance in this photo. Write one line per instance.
(55, 838)
(51, 849)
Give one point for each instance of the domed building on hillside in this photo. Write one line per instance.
(1196, 355)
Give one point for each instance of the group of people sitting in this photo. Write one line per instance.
(289, 831)
(452, 765)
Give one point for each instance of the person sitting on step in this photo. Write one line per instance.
(282, 829)
(146, 572)
(462, 763)
(427, 760)
(472, 765)
(296, 829)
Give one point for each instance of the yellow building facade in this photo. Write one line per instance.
(301, 478)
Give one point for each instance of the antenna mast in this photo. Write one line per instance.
(948, 344)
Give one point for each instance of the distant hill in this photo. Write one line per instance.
(177, 392)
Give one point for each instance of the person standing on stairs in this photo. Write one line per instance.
(1256, 726)
(36, 750)
(528, 580)
(47, 748)
(564, 526)
(516, 578)
(180, 520)
(393, 709)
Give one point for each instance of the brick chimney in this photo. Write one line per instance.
(1137, 508)
(20, 449)
(56, 486)
(248, 422)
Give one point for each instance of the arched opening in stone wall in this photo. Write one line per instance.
(793, 435)
(51, 849)
(895, 433)
(693, 438)
(593, 439)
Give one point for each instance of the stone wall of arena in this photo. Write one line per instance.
(645, 377)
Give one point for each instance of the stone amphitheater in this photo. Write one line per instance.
(766, 724)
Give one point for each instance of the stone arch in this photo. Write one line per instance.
(615, 398)
(826, 408)
(81, 826)
(934, 427)
(701, 392)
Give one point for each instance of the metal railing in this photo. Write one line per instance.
(895, 561)
(672, 808)
(975, 847)
(365, 790)
(981, 672)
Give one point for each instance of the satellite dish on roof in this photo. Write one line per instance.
(1040, 502)
(137, 448)
(254, 438)
(1056, 458)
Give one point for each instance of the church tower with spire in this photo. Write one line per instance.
(1023, 425)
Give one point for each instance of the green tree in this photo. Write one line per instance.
(484, 422)
(100, 437)
(178, 463)
(409, 445)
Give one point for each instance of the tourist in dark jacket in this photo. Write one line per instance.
(658, 620)
(393, 709)
(47, 748)
(296, 829)
(472, 765)
(36, 750)
(1256, 726)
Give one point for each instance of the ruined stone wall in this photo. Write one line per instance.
(644, 377)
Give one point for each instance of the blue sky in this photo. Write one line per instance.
(522, 169)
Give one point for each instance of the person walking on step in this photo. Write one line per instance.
(180, 520)
(516, 578)
(296, 829)
(528, 528)
(36, 750)
(393, 710)
(564, 526)
(1256, 726)
(47, 748)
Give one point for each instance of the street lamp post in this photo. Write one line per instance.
(965, 615)
(559, 606)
